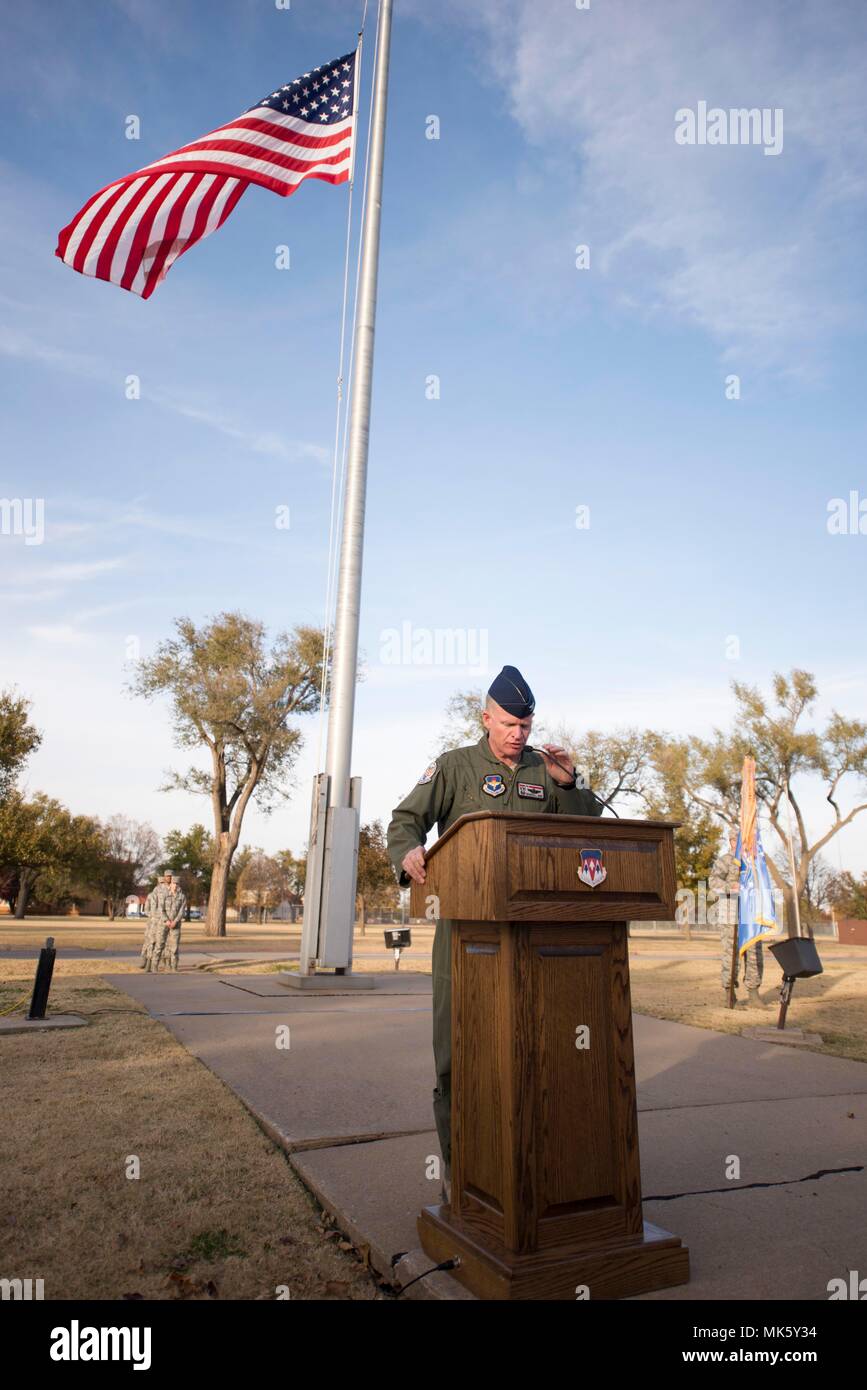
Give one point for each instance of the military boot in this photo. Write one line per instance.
(755, 1000)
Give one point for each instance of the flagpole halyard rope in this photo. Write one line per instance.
(334, 461)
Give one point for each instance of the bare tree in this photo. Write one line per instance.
(464, 720)
(376, 886)
(130, 855)
(234, 697)
(772, 731)
(263, 884)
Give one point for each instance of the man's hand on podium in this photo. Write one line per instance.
(413, 864)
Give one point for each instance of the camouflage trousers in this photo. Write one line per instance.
(441, 971)
(149, 941)
(166, 939)
(749, 965)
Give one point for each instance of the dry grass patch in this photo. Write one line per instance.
(688, 991)
(217, 1211)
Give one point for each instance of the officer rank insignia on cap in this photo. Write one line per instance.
(427, 775)
(531, 789)
(494, 784)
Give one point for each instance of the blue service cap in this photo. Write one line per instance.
(512, 693)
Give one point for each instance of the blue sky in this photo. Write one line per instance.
(559, 387)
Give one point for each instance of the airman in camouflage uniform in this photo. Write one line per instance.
(724, 879)
(497, 773)
(154, 911)
(168, 933)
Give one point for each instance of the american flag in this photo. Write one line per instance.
(133, 231)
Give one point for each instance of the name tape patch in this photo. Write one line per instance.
(531, 789)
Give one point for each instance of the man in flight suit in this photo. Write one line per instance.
(499, 773)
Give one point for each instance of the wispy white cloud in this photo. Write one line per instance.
(64, 572)
(61, 635)
(760, 253)
(266, 442)
(15, 344)
(105, 516)
(104, 610)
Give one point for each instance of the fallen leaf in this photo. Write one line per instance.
(185, 1287)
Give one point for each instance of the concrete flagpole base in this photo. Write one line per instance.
(326, 982)
(794, 1037)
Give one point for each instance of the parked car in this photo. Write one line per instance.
(194, 914)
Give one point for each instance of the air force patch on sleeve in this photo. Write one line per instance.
(427, 775)
(494, 784)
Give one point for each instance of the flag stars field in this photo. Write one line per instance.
(132, 231)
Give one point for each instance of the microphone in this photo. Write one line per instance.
(564, 768)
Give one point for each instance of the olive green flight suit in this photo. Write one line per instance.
(454, 786)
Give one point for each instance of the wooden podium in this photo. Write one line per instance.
(546, 1182)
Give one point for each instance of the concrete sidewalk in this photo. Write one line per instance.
(350, 1100)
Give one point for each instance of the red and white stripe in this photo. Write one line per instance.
(132, 231)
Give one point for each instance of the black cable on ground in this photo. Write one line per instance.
(446, 1264)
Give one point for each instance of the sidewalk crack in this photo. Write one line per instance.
(747, 1186)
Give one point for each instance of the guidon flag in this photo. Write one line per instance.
(757, 916)
(132, 231)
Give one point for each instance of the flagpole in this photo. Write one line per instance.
(792, 861)
(345, 659)
(327, 936)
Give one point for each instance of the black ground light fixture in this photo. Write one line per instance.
(799, 960)
(42, 983)
(396, 938)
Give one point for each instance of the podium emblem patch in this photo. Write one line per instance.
(494, 784)
(592, 870)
